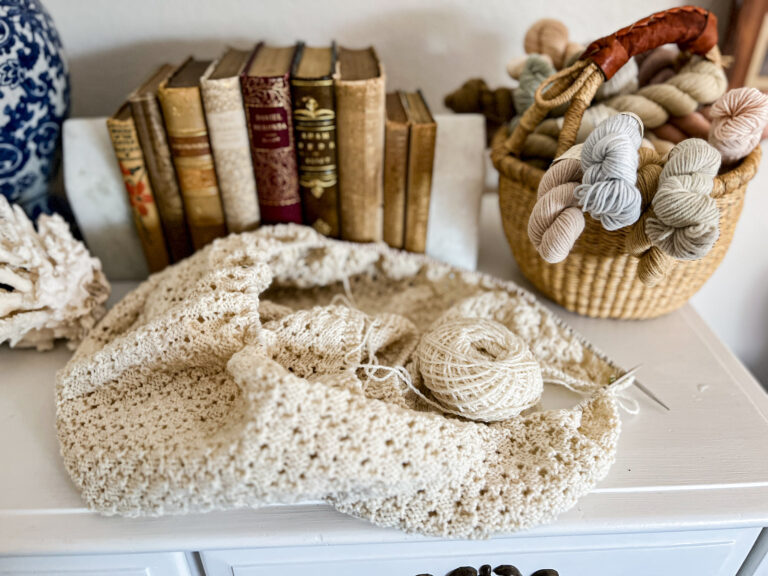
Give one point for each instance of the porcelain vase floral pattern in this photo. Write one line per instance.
(34, 101)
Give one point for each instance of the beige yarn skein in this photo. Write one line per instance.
(700, 81)
(479, 369)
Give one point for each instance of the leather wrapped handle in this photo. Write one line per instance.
(692, 28)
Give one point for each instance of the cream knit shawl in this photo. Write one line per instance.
(233, 379)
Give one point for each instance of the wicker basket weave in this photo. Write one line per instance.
(599, 277)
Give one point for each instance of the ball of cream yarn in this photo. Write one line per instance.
(478, 369)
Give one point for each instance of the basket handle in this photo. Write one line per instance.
(692, 28)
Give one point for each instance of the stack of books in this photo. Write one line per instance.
(270, 135)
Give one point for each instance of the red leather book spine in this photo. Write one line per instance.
(267, 103)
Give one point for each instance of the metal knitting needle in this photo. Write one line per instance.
(651, 395)
(642, 388)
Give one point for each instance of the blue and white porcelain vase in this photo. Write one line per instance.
(34, 101)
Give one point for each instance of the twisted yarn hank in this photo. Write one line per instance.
(738, 120)
(609, 161)
(479, 369)
(550, 37)
(700, 81)
(536, 69)
(686, 221)
(556, 221)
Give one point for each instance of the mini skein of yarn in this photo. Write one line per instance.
(536, 69)
(687, 221)
(609, 161)
(550, 37)
(557, 221)
(479, 369)
(738, 120)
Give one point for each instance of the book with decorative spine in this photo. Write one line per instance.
(265, 83)
(228, 132)
(148, 117)
(395, 171)
(191, 149)
(314, 120)
(125, 140)
(360, 110)
(421, 158)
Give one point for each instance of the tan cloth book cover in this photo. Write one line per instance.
(360, 109)
(395, 171)
(228, 133)
(125, 140)
(191, 149)
(421, 158)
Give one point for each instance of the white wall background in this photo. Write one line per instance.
(429, 44)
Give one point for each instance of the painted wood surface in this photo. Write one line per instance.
(701, 466)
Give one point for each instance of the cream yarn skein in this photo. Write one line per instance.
(609, 160)
(686, 221)
(479, 369)
(557, 221)
(700, 81)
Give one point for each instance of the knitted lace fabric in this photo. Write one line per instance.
(238, 378)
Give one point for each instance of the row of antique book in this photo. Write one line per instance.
(270, 135)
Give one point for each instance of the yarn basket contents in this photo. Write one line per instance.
(479, 369)
(648, 242)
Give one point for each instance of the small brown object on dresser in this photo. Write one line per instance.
(360, 105)
(314, 121)
(150, 127)
(265, 83)
(191, 149)
(421, 159)
(122, 131)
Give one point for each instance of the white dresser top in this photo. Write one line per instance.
(702, 465)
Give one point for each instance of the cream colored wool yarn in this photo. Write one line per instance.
(608, 189)
(686, 222)
(557, 221)
(738, 121)
(479, 369)
(700, 81)
(231, 380)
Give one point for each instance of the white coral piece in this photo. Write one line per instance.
(50, 286)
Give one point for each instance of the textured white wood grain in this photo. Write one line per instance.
(701, 466)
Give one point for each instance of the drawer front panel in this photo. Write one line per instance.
(704, 553)
(165, 564)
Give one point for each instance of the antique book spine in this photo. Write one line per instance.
(421, 157)
(360, 144)
(223, 101)
(314, 114)
(395, 182)
(146, 217)
(188, 137)
(157, 157)
(267, 103)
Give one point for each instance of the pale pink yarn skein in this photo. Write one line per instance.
(738, 120)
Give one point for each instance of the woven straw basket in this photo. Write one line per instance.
(599, 277)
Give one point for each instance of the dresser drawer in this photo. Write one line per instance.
(165, 564)
(700, 553)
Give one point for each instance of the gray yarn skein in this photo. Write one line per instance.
(687, 221)
(537, 68)
(609, 160)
